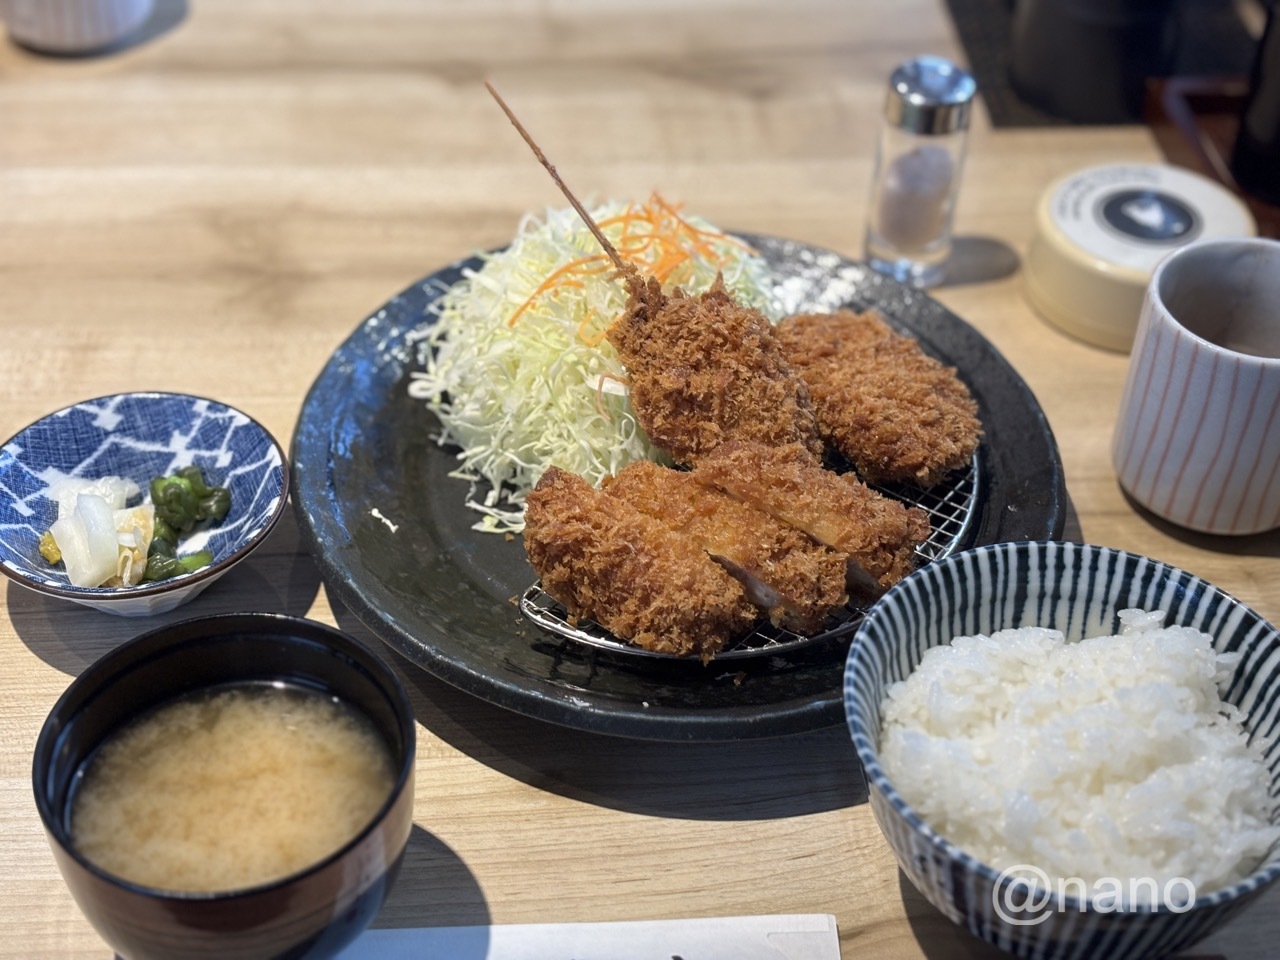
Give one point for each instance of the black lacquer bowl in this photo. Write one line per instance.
(394, 542)
(312, 913)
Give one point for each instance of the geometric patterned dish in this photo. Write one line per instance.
(139, 436)
(1078, 589)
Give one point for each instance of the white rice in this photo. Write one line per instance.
(1113, 757)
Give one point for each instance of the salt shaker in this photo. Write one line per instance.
(918, 163)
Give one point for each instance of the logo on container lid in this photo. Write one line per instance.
(1148, 216)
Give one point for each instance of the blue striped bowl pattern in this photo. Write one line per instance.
(139, 436)
(1075, 588)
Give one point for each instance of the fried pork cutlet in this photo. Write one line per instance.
(876, 534)
(796, 581)
(896, 413)
(605, 560)
(705, 369)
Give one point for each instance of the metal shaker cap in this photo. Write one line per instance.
(929, 95)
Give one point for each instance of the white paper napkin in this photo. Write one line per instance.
(792, 937)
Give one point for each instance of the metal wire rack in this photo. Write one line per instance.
(951, 506)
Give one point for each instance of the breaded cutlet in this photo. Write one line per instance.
(878, 535)
(606, 561)
(796, 581)
(705, 369)
(894, 412)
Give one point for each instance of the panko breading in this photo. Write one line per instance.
(896, 413)
(798, 582)
(605, 560)
(878, 535)
(705, 369)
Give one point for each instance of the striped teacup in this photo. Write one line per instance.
(1197, 441)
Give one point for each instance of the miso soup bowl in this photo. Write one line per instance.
(1077, 589)
(313, 913)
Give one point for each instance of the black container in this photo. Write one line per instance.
(313, 913)
(1255, 162)
(1088, 60)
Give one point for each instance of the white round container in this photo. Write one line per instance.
(1100, 233)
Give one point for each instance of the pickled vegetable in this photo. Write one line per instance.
(101, 543)
(48, 548)
(183, 500)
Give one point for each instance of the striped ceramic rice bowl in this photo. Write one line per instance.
(1077, 589)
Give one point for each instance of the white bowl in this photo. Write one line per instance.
(1077, 589)
(73, 26)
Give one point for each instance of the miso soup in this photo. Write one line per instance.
(230, 789)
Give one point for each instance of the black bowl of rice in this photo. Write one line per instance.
(1071, 748)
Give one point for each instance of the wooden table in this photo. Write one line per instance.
(215, 209)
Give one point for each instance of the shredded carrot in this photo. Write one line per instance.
(600, 394)
(585, 334)
(653, 236)
(556, 279)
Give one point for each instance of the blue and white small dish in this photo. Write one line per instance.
(1077, 589)
(139, 436)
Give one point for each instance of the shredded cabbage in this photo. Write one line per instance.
(517, 368)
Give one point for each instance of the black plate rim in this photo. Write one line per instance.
(1040, 515)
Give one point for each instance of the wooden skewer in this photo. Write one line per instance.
(628, 269)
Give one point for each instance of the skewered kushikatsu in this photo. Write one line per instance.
(605, 560)
(878, 535)
(797, 582)
(894, 412)
(700, 369)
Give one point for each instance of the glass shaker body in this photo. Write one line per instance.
(919, 159)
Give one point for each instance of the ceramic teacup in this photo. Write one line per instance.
(1197, 440)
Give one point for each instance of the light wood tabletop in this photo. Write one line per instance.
(215, 208)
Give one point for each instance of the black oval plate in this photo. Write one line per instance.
(394, 543)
